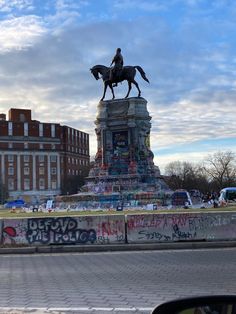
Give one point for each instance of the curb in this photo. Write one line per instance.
(119, 247)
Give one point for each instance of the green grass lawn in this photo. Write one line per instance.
(5, 213)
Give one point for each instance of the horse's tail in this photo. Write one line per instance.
(142, 73)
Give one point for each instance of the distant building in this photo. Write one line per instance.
(36, 157)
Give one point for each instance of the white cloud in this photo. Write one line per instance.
(70, 4)
(143, 5)
(67, 13)
(189, 120)
(20, 33)
(9, 5)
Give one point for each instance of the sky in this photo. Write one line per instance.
(186, 47)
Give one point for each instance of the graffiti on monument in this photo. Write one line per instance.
(120, 157)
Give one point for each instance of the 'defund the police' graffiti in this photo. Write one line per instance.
(62, 230)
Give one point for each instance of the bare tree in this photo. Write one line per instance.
(181, 175)
(220, 168)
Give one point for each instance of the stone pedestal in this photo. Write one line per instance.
(124, 160)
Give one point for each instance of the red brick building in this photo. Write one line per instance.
(36, 157)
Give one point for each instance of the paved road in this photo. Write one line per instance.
(118, 282)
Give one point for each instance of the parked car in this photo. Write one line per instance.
(227, 195)
(16, 203)
(181, 198)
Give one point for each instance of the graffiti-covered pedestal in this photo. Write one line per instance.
(124, 160)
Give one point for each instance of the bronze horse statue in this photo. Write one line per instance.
(127, 74)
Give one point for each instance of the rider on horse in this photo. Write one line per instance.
(118, 66)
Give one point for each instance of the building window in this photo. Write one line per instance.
(26, 129)
(40, 129)
(40, 146)
(10, 158)
(26, 145)
(26, 158)
(41, 184)
(10, 171)
(53, 170)
(52, 130)
(22, 117)
(54, 185)
(26, 171)
(41, 170)
(53, 146)
(9, 128)
(11, 184)
(26, 184)
(41, 158)
(10, 145)
(53, 158)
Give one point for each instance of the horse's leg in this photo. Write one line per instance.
(112, 90)
(129, 84)
(136, 84)
(104, 92)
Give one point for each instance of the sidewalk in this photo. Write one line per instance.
(118, 247)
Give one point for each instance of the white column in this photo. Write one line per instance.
(49, 173)
(58, 172)
(3, 168)
(34, 171)
(18, 173)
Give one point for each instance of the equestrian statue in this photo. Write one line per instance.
(111, 76)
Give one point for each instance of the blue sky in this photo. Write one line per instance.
(186, 47)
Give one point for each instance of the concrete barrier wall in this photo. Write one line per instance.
(64, 230)
(150, 228)
(110, 229)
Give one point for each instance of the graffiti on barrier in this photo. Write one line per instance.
(193, 221)
(111, 227)
(58, 230)
(182, 235)
(180, 227)
(153, 235)
(176, 234)
(14, 231)
(9, 233)
(64, 230)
